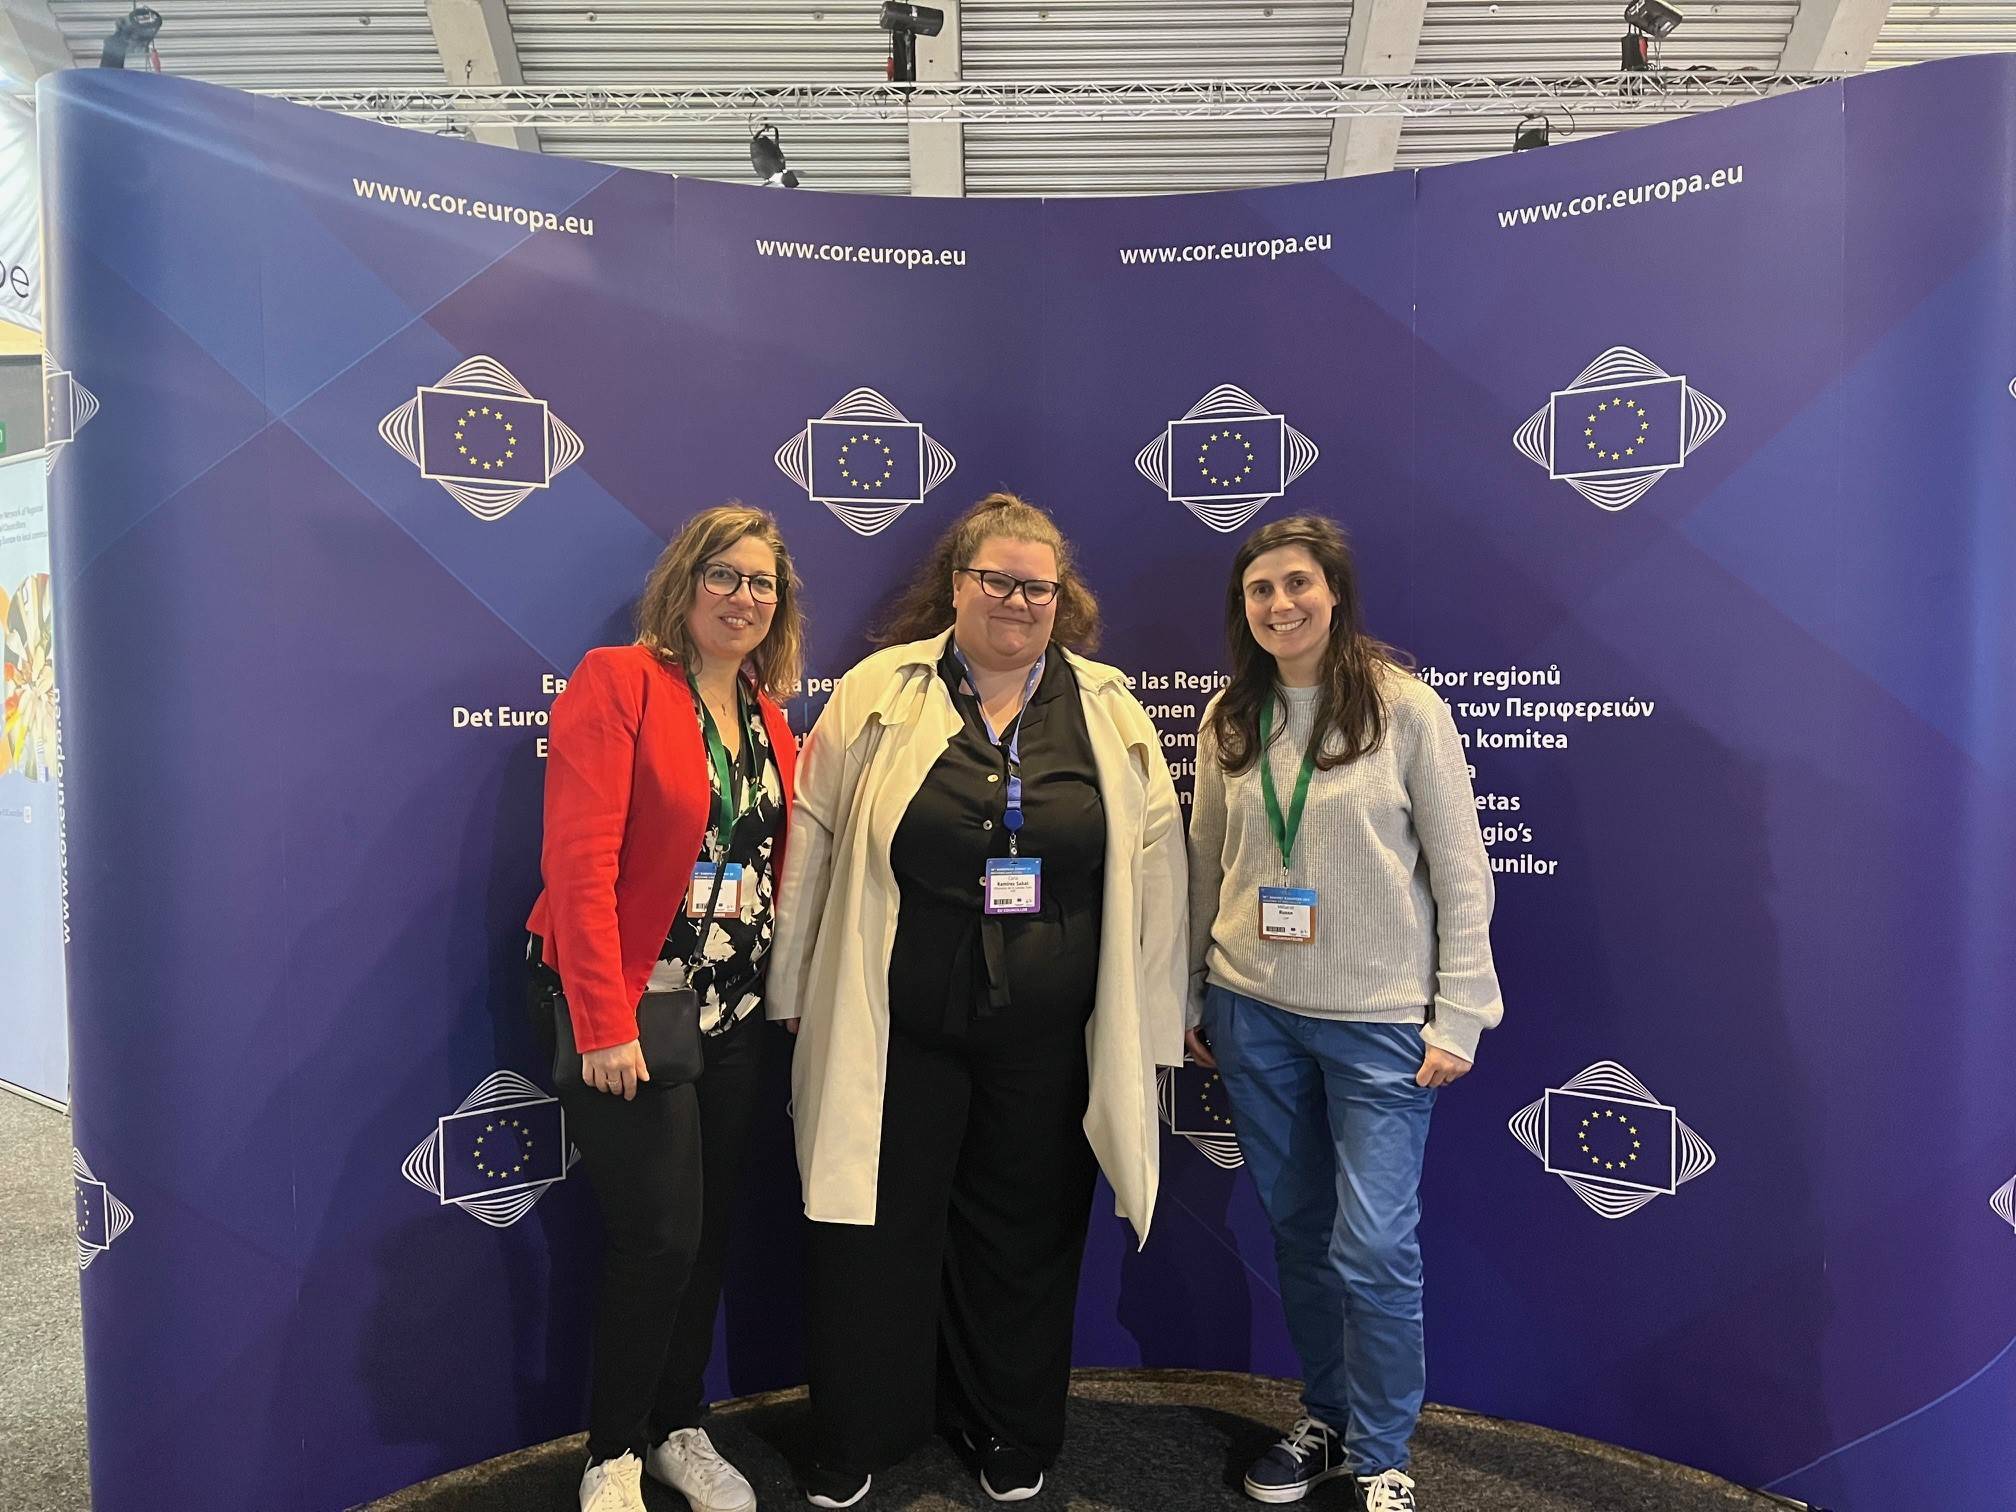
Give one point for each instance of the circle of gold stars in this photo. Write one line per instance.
(520, 1140)
(866, 463)
(1632, 443)
(462, 427)
(1592, 1126)
(1244, 459)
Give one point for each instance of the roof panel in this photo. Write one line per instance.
(1914, 33)
(261, 44)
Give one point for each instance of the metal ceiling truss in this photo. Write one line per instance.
(655, 109)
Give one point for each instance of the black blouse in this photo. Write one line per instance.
(730, 961)
(952, 961)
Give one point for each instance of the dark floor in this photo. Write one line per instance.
(1146, 1441)
(42, 1464)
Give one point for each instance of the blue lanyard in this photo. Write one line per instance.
(1011, 819)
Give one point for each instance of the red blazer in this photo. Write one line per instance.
(627, 802)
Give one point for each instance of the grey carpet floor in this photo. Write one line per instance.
(42, 1462)
(1143, 1441)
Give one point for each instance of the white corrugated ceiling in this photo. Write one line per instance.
(297, 44)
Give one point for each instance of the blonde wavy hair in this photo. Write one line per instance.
(675, 579)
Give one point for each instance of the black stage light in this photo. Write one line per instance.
(132, 35)
(766, 156)
(1527, 134)
(1655, 17)
(1636, 50)
(905, 24)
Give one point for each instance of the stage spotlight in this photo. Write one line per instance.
(1532, 131)
(1655, 17)
(133, 35)
(905, 24)
(766, 156)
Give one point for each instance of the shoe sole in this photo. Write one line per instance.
(819, 1500)
(1020, 1493)
(1278, 1495)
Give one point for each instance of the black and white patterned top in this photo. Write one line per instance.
(727, 966)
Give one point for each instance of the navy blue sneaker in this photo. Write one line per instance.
(1311, 1454)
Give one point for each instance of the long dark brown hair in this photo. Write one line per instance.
(669, 591)
(925, 607)
(1351, 708)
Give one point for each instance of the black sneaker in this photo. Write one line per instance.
(826, 1487)
(1008, 1473)
(1311, 1454)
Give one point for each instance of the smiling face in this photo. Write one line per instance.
(1289, 606)
(1002, 634)
(727, 628)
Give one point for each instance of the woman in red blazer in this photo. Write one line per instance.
(665, 760)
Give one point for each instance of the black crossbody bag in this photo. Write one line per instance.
(668, 1026)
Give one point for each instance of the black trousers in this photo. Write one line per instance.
(954, 1308)
(664, 1168)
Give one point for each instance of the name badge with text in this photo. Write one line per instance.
(1288, 914)
(1014, 885)
(729, 904)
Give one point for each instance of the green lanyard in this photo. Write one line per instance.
(1285, 830)
(732, 798)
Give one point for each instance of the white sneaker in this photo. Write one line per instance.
(615, 1485)
(689, 1463)
(1388, 1491)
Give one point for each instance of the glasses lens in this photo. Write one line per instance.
(763, 588)
(721, 580)
(1039, 591)
(998, 584)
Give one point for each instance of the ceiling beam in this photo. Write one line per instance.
(938, 148)
(477, 47)
(1834, 35)
(1385, 35)
(31, 43)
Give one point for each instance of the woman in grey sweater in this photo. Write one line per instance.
(1340, 908)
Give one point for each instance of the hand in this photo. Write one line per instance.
(616, 1070)
(1200, 1048)
(1439, 1068)
(791, 1024)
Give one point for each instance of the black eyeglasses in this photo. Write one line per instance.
(1036, 592)
(720, 579)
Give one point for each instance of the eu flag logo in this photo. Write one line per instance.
(1625, 427)
(878, 462)
(1227, 458)
(500, 1149)
(91, 1213)
(1611, 1139)
(1198, 1102)
(482, 438)
(496, 1155)
(1612, 1143)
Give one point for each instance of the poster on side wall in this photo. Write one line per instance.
(34, 1054)
(20, 216)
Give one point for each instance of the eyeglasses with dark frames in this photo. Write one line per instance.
(723, 581)
(1036, 592)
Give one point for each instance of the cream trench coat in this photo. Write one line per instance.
(886, 725)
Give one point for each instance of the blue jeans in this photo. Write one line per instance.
(1333, 1127)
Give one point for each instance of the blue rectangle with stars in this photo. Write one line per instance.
(497, 1149)
(1199, 1103)
(1235, 457)
(867, 461)
(1619, 427)
(92, 1224)
(1611, 1139)
(474, 437)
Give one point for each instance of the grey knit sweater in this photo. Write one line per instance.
(1391, 844)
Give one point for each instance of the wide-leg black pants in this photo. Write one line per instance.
(665, 1168)
(954, 1308)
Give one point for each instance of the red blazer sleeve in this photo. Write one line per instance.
(590, 752)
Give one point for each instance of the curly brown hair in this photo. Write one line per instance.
(669, 590)
(925, 607)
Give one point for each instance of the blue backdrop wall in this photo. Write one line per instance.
(1681, 458)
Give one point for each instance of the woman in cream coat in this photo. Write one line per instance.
(964, 1054)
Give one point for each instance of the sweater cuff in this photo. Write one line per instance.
(1455, 1029)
